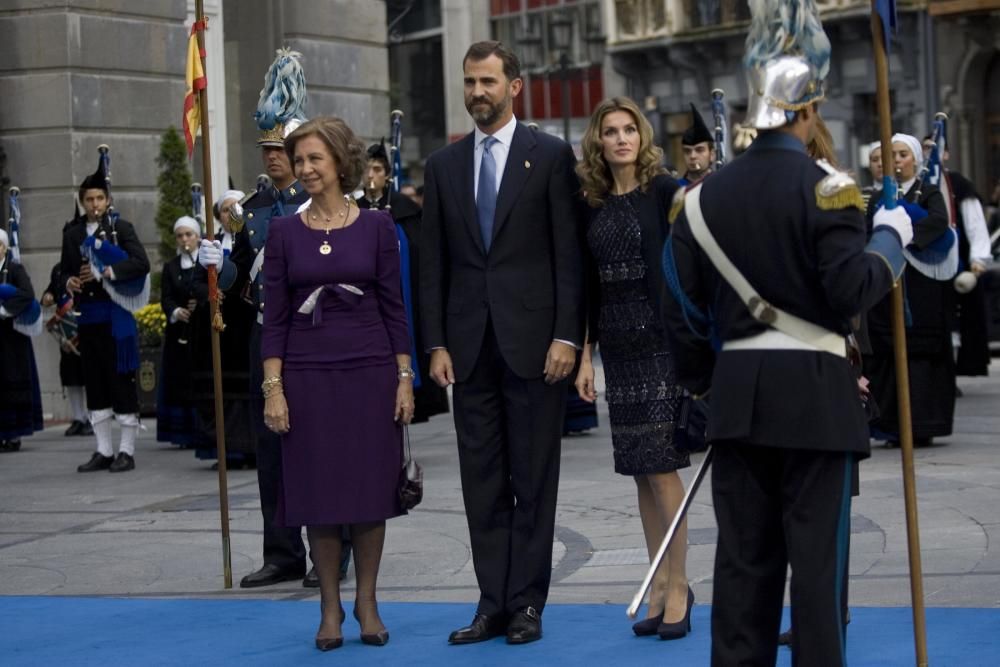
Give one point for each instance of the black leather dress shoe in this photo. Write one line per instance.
(311, 579)
(86, 429)
(122, 463)
(525, 626)
(97, 462)
(481, 629)
(268, 575)
(74, 428)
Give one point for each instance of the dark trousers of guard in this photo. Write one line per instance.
(282, 546)
(509, 431)
(776, 507)
(106, 387)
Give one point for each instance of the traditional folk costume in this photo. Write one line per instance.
(63, 326)
(698, 133)
(239, 316)
(20, 319)
(973, 247)
(766, 333)
(184, 281)
(109, 342)
(930, 306)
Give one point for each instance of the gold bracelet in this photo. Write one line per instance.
(274, 380)
(273, 391)
(405, 373)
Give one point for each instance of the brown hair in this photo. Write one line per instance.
(821, 146)
(347, 150)
(483, 50)
(595, 175)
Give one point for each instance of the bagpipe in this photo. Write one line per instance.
(102, 252)
(63, 325)
(28, 320)
(14, 224)
(396, 148)
(939, 260)
(721, 128)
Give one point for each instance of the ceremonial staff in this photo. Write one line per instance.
(213, 300)
(883, 16)
(719, 116)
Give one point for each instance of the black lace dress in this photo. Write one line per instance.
(638, 366)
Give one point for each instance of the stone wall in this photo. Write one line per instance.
(73, 75)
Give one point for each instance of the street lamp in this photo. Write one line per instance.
(561, 38)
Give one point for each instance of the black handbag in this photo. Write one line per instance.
(411, 478)
(690, 430)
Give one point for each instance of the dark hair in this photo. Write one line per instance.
(347, 150)
(483, 50)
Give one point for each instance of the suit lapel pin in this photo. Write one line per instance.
(527, 165)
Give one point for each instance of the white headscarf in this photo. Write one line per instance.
(187, 222)
(229, 194)
(188, 259)
(913, 144)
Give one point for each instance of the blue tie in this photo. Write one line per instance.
(486, 199)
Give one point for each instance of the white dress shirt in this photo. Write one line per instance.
(500, 150)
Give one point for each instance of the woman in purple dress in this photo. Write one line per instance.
(337, 376)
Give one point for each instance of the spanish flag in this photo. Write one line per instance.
(195, 78)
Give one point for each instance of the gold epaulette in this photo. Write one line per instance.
(837, 190)
(677, 206)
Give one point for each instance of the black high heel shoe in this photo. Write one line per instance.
(647, 626)
(380, 638)
(330, 643)
(681, 628)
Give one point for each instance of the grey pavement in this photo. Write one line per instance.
(155, 531)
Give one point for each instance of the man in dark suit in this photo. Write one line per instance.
(502, 293)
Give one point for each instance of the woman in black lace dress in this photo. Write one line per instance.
(629, 196)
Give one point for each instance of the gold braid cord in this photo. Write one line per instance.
(217, 322)
(845, 197)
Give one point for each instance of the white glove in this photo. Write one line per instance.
(210, 254)
(898, 220)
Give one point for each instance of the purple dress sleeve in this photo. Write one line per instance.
(388, 287)
(277, 306)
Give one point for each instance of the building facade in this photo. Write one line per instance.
(672, 52)
(79, 73)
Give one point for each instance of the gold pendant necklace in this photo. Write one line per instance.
(325, 248)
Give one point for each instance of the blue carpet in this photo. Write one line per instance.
(111, 631)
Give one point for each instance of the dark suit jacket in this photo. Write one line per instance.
(809, 261)
(530, 285)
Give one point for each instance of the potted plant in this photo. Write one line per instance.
(151, 323)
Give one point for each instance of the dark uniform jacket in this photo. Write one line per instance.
(809, 261)
(259, 210)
